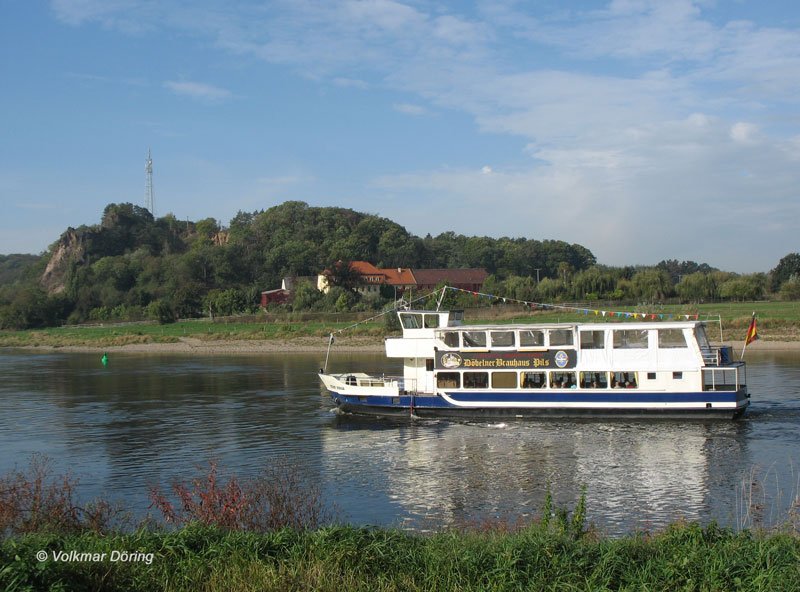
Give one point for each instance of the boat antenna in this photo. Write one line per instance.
(441, 297)
(328, 353)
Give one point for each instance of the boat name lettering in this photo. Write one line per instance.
(501, 363)
(543, 359)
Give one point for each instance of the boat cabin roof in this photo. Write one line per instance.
(580, 325)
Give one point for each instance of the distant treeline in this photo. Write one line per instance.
(132, 266)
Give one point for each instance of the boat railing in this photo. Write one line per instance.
(717, 355)
(403, 383)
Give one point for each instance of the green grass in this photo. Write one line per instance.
(777, 321)
(114, 335)
(338, 558)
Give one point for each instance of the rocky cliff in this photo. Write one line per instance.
(71, 247)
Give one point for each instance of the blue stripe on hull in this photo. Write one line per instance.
(435, 406)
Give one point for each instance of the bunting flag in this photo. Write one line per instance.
(604, 313)
(752, 332)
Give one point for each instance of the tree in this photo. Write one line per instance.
(786, 268)
(746, 287)
(790, 289)
(651, 285)
(341, 274)
(696, 287)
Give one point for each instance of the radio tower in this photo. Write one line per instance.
(149, 202)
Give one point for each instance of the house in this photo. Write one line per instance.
(371, 278)
(465, 278)
(284, 293)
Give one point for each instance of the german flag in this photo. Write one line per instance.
(752, 333)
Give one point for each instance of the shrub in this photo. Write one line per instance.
(280, 497)
(35, 501)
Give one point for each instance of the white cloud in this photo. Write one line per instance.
(198, 90)
(409, 109)
(640, 118)
(344, 82)
(743, 132)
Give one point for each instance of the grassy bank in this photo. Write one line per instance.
(778, 321)
(683, 557)
(273, 531)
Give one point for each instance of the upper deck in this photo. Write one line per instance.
(658, 345)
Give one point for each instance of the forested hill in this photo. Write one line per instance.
(133, 265)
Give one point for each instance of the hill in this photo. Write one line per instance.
(132, 266)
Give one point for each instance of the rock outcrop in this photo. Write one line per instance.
(70, 247)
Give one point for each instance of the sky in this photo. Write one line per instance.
(642, 130)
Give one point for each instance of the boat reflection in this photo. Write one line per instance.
(442, 474)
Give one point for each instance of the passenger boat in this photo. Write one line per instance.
(653, 369)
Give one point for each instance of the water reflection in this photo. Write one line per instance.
(636, 475)
(149, 419)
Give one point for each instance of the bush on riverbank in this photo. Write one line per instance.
(336, 558)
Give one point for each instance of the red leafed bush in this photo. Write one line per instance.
(34, 500)
(279, 497)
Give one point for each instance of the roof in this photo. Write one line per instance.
(365, 268)
(403, 276)
(455, 276)
(400, 276)
(394, 276)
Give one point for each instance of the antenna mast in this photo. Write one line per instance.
(149, 202)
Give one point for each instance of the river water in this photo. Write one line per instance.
(148, 419)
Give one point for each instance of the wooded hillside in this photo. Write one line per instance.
(132, 266)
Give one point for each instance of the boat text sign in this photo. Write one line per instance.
(552, 358)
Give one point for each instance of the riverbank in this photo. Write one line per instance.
(195, 346)
(305, 344)
(538, 557)
(203, 336)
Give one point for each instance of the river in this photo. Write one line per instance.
(148, 419)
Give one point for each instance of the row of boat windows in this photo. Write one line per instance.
(587, 339)
(536, 380)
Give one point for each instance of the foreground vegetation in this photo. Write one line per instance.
(684, 557)
(273, 533)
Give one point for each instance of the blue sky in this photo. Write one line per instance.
(643, 130)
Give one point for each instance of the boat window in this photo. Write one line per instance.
(563, 380)
(561, 337)
(411, 320)
(476, 380)
(502, 338)
(474, 338)
(531, 380)
(450, 338)
(504, 380)
(594, 380)
(593, 339)
(671, 338)
(429, 365)
(719, 379)
(448, 380)
(624, 380)
(531, 338)
(630, 339)
(431, 321)
(456, 315)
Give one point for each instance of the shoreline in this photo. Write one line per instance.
(351, 344)
(191, 345)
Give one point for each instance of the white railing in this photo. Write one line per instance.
(402, 383)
